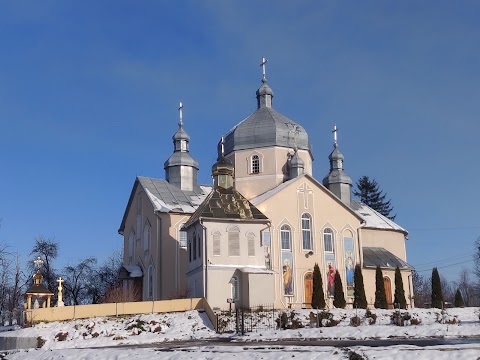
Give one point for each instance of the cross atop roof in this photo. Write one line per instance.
(180, 121)
(38, 262)
(264, 62)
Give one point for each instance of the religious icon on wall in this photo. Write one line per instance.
(331, 270)
(287, 268)
(349, 264)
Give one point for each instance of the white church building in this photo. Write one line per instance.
(255, 236)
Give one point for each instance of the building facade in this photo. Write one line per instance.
(255, 236)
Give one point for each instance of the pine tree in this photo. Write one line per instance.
(458, 302)
(399, 299)
(338, 294)
(359, 297)
(437, 295)
(369, 194)
(380, 296)
(318, 298)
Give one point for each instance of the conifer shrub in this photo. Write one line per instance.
(318, 298)
(338, 294)
(355, 321)
(380, 296)
(458, 302)
(437, 295)
(359, 297)
(399, 298)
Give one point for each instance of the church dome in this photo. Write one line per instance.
(181, 134)
(264, 89)
(223, 166)
(336, 154)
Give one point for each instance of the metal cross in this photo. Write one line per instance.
(335, 135)
(38, 262)
(223, 146)
(60, 281)
(264, 62)
(180, 122)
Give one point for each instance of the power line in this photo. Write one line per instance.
(434, 262)
(445, 266)
(445, 228)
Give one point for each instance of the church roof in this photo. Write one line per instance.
(375, 220)
(226, 204)
(379, 256)
(38, 289)
(166, 197)
(266, 127)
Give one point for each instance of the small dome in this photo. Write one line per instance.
(264, 89)
(336, 155)
(223, 166)
(181, 159)
(296, 160)
(181, 134)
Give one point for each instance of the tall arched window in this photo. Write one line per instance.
(146, 237)
(182, 237)
(328, 240)
(150, 282)
(233, 241)
(285, 236)
(235, 292)
(255, 164)
(307, 232)
(131, 245)
(216, 243)
(251, 243)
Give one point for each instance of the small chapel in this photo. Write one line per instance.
(253, 236)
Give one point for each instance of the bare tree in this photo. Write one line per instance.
(106, 277)
(466, 287)
(47, 250)
(77, 280)
(421, 289)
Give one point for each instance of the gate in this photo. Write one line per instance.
(244, 320)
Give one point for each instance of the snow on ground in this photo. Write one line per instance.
(79, 339)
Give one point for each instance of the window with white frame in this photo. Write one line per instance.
(251, 243)
(235, 292)
(233, 241)
(285, 236)
(255, 167)
(307, 232)
(328, 240)
(146, 237)
(182, 237)
(216, 243)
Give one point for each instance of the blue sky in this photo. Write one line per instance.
(89, 94)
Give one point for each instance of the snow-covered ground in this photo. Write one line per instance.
(107, 338)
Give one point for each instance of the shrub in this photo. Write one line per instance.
(318, 298)
(380, 296)
(371, 317)
(400, 319)
(399, 298)
(359, 298)
(437, 295)
(338, 294)
(458, 302)
(40, 342)
(355, 321)
(61, 336)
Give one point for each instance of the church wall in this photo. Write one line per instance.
(287, 207)
(392, 241)
(370, 286)
(273, 169)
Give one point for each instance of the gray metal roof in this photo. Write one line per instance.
(375, 220)
(379, 256)
(266, 127)
(166, 197)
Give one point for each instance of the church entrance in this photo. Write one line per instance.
(388, 291)
(308, 281)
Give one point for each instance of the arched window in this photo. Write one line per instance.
(255, 164)
(307, 232)
(328, 240)
(131, 245)
(150, 282)
(233, 241)
(139, 226)
(146, 237)
(285, 236)
(199, 244)
(251, 243)
(235, 292)
(216, 243)
(194, 245)
(182, 237)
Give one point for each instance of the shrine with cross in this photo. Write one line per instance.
(37, 293)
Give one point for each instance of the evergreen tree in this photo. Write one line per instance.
(458, 302)
(369, 194)
(437, 295)
(359, 297)
(399, 299)
(318, 299)
(380, 296)
(338, 294)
